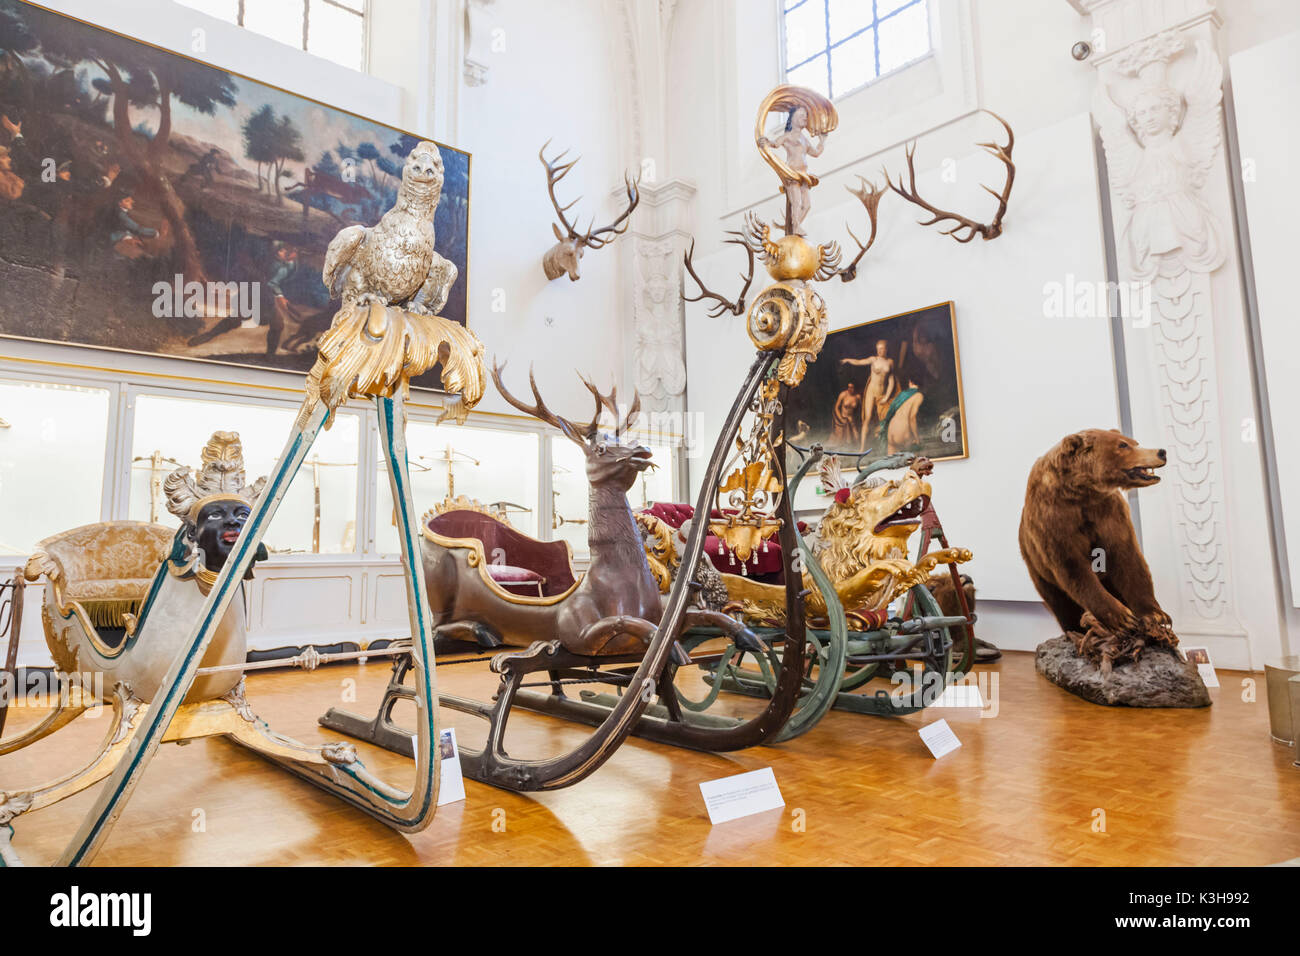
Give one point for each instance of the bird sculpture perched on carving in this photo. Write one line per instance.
(394, 262)
(394, 286)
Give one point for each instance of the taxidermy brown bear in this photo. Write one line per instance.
(1077, 539)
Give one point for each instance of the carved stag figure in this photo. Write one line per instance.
(613, 609)
(563, 257)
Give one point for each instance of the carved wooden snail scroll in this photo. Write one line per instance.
(563, 257)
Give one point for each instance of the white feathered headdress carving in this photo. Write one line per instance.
(221, 475)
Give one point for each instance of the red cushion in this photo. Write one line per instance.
(671, 513)
(505, 547)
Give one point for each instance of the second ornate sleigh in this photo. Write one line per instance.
(610, 628)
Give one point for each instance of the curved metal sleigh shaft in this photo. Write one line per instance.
(137, 728)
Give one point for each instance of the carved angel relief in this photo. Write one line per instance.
(1161, 140)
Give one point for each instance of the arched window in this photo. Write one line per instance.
(838, 46)
(333, 29)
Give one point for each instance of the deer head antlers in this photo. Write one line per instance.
(972, 227)
(581, 434)
(563, 257)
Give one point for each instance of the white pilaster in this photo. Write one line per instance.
(1205, 528)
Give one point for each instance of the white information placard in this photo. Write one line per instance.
(960, 695)
(939, 737)
(730, 798)
(452, 785)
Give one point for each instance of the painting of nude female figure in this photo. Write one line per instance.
(888, 385)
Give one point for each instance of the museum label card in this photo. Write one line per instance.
(451, 787)
(960, 695)
(1204, 664)
(939, 737)
(746, 793)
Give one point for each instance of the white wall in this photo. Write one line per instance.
(1027, 379)
(1268, 130)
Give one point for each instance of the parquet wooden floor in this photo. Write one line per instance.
(1028, 786)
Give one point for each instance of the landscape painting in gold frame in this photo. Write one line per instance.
(152, 203)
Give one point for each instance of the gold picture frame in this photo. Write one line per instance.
(839, 404)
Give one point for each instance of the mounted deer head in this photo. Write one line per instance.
(612, 461)
(563, 257)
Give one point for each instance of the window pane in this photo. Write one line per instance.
(848, 17)
(654, 484)
(853, 63)
(278, 19)
(805, 32)
(51, 460)
(569, 495)
(335, 34)
(904, 37)
(570, 489)
(227, 10)
(885, 7)
(170, 430)
(493, 467)
(358, 5)
(812, 75)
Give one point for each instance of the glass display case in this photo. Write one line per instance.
(498, 468)
(53, 440)
(319, 512)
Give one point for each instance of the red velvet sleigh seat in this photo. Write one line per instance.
(520, 564)
(768, 568)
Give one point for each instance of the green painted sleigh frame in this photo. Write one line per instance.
(839, 661)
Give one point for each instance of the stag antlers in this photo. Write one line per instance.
(756, 240)
(564, 255)
(870, 197)
(571, 429)
(990, 230)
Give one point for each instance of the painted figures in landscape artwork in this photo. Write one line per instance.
(153, 203)
(883, 387)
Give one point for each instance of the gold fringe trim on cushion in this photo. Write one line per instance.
(109, 613)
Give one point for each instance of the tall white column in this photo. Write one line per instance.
(1158, 106)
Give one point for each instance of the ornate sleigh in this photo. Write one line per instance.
(184, 643)
(608, 627)
(869, 608)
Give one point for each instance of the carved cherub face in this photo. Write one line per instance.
(1155, 112)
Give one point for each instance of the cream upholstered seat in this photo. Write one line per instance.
(100, 572)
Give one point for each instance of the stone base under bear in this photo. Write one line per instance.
(1160, 678)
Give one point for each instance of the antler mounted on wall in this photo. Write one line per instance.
(972, 227)
(563, 257)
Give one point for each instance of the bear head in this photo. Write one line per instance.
(1107, 460)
